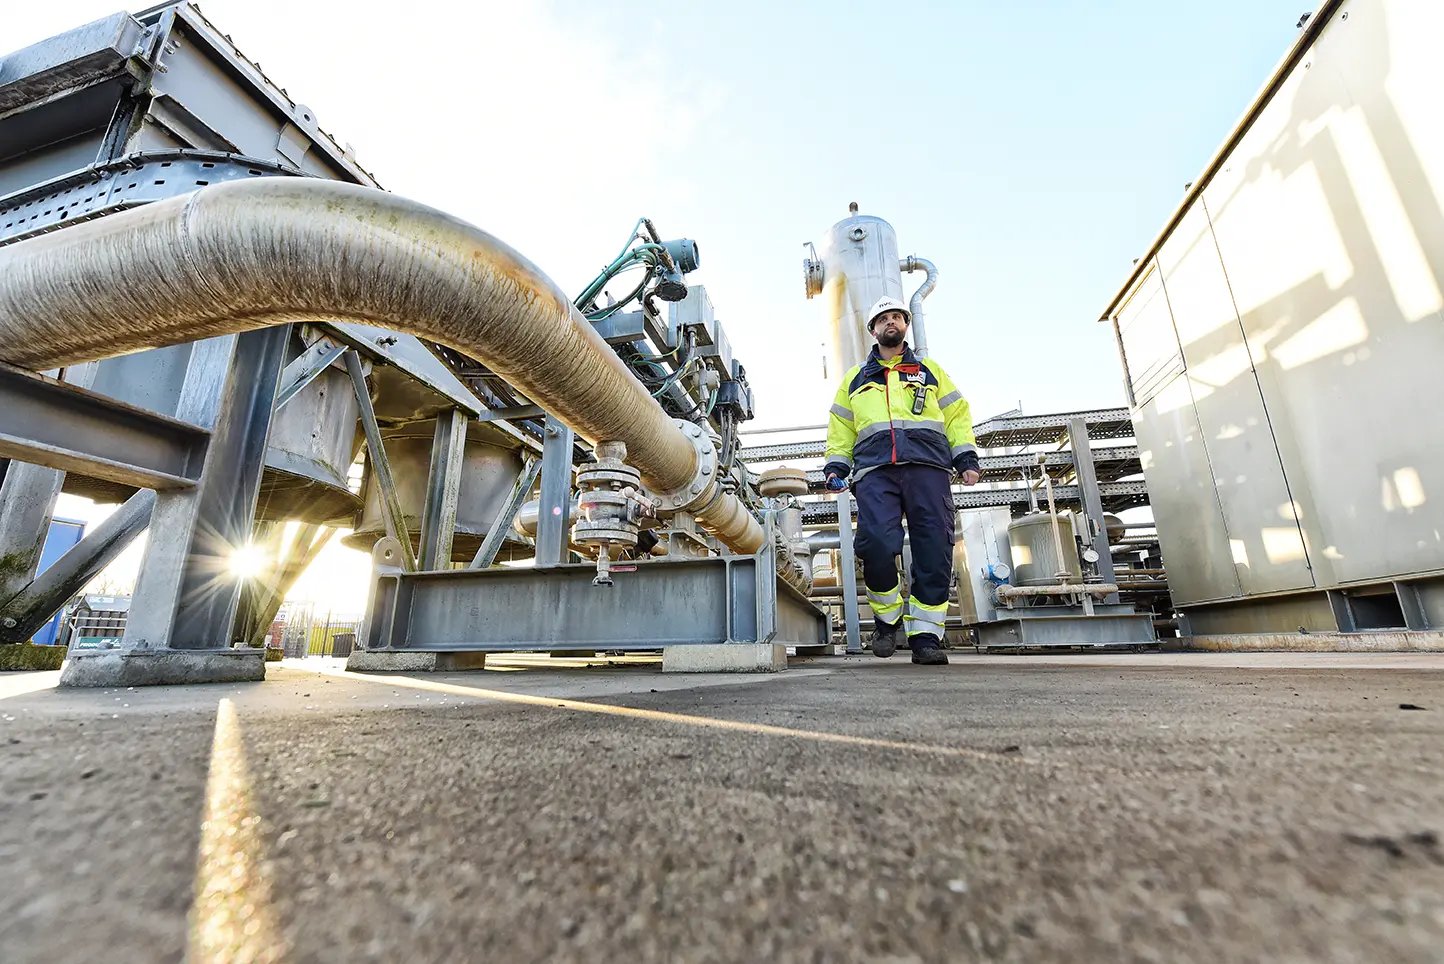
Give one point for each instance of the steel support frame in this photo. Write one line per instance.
(184, 606)
(55, 424)
(496, 535)
(847, 573)
(304, 369)
(266, 596)
(27, 504)
(195, 533)
(552, 539)
(1092, 498)
(663, 603)
(380, 465)
(1069, 629)
(22, 616)
(443, 488)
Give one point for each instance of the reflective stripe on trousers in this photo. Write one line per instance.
(924, 619)
(886, 606)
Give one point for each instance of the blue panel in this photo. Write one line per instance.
(63, 535)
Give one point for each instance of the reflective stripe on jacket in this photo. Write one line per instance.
(872, 421)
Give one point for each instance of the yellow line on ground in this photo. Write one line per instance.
(659, 716)
(233, 918)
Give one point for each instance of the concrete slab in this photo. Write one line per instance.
(1385, 641)
(165, 668)
(363, 661)
(725, 658)
(828, 649)
(1054, 808)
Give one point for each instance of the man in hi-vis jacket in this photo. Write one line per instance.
(900, 428)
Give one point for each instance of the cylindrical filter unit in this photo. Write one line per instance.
(489, 469)
(309, 452)
(1035, 553)
(858, 264)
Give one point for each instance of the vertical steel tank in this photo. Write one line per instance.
(856, 265)
(1035, 554)
(489, 469)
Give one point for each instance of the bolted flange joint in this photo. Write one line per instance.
(702, 489)
(610, 507)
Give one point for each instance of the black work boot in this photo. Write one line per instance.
(884, 638)
(928, 651)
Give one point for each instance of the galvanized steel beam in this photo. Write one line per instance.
(186, 596)
(443, 486)
(1092, 499)
(722, 599)
(552, 539)
(847, 573)
(303, 370)
(391, 510)
(22, 616)
(48, 422)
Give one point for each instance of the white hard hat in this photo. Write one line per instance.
(883, 305)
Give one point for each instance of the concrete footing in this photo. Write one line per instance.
(163, 667)
(830, 649)
(364, 661)
(1376, 641)
(725, 658)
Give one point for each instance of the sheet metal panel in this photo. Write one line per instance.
(1234, 428)
(1151, 354)
(1192, 532)
(76, 58)
(1330, 223)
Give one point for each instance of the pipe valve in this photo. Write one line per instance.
(611, 506)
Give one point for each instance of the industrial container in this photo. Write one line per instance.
(1281, 341)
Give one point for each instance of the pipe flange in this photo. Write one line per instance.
(610, 502)
(606, 517)
(701, 490)
(601, 477)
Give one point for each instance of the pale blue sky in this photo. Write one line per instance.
(1030, 150)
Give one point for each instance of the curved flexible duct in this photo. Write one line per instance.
(270, 251)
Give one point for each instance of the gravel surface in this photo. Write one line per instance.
(850, 809)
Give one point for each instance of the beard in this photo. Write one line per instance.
(890, 339)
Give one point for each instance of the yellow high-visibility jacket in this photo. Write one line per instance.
(904, 409)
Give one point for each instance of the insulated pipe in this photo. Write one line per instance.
(1004, 593)
(271, 251)
(915, 304)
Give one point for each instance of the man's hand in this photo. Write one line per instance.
(971, 476)
(836, 483)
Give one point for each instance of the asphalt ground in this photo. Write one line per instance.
(1191, 807)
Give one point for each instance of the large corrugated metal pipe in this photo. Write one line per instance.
(250, 254)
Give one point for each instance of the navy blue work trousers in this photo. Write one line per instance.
(923, 494)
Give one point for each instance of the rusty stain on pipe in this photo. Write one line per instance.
(250, 254)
